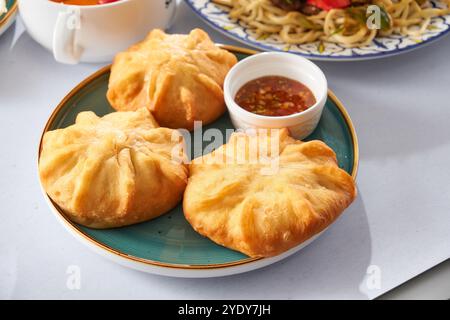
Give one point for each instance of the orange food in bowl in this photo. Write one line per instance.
(84, 2)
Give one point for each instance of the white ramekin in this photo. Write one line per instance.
(289, 65)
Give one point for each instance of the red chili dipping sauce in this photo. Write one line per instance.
(275, 96)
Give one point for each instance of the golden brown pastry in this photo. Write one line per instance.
(244, 205)
(112, 171)
(179, 78)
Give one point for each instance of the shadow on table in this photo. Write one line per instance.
(333, 266)
(26, 57)
(396, 109)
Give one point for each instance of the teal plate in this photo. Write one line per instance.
(169, 241)
(7, 18)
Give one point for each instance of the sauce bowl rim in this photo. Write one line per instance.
(236, 70)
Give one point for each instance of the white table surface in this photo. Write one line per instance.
(400, 222)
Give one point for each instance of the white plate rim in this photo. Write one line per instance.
(9, 18)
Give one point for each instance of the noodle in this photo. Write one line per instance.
(404, 17)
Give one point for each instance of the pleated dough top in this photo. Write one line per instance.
(179, 78)
(265, 208)
(112, 171)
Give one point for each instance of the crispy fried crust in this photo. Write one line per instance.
(112, 171)
(179, 78)
(263, 214)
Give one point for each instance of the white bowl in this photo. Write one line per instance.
(292, 66)
(96, 33)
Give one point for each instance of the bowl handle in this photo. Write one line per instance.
(173, 14)
(65, 47)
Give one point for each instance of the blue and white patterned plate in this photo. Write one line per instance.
(217, 17)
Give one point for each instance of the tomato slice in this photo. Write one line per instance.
(329, 4)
